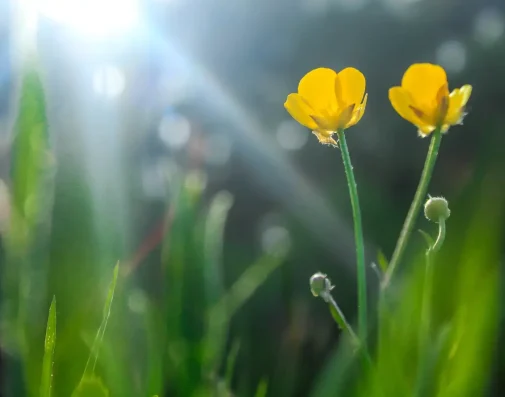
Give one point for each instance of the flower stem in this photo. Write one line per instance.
(343, 323)
(425, 329)
(441, 236)
(342, 320)
(358, 235)
(419, 197)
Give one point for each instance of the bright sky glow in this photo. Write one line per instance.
(93, 18)
(109, 81)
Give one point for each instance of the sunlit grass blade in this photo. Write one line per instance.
(30, 146)
(49, 344)
(95, 348)
(231, 361)
(91, 386)
(382, 261)
(213, 244)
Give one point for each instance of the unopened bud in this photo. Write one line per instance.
(436, 208)
(320, 285)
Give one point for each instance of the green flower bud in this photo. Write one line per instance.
(320, 285)
(436, 208)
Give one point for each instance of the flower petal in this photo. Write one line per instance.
(423, 81)
(402, 103)
(350, 87)
(345, 116)
(457, 101)
(358, 113)
(300, 110)
(318, 88)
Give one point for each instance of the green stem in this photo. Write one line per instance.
(343, 321)
(441, 236)
(358, 235)
(419, 197)
(359, 343)
(425, 328)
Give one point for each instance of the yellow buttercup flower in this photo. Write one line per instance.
(328, 101)
(424, 99)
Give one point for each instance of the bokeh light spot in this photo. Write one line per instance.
(452, 56)
(489, 26)
(402, 8)
(276, 240)
(351, 5)
(291, 136)
(218, 149)
(174, 131)
(315, 7)
(138, 301)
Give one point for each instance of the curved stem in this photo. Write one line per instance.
(425, 328)
(347, 327)
(441, 236)
(419, 197)
(358, 236)
(343, 321)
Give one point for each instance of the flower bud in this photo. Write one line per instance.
(320, 284)
(436, 208)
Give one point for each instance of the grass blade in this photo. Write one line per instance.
(50, 342)
(101, 331)
(262, 389)
(230, 362)
(382, 261)
(214, 229)
(239, 293)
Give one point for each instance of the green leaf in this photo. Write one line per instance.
(30, 147)
(220, 314)
(91, 387)
(382, 261)
(213, 244)
(230, 362)
(95, 348)
(262, 389)
(50, 342)
(110, 296)
(429, 240)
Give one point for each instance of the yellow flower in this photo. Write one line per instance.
(424, 99)
(327, 101)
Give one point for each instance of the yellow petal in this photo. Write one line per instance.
(330, 125)
(358, 113)
(318, 88)
(350, 87)
(345, 116)
(300, 110)
(402, 103)
(457, 101)
(423, 81)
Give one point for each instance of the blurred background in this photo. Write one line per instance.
(152, 103)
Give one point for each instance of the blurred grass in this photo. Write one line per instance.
(49, 344)
(172, 336)
(457, 359)
(185, 329)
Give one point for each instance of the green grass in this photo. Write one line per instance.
(169, 328)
